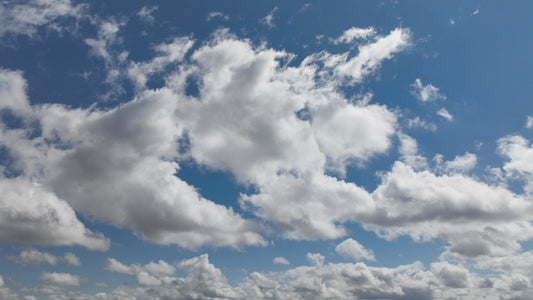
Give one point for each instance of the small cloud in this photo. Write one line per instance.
(304, 7)
(476, 12)
(316, 259)
(353, 249)
(355, 33)
(427, 92)
(60, 279)
(529, 122)
(445, 114)
(280, 261)
(418, 123)
(217, 14)
(72, 259)
(145, 14)
(452, 22)
(268, 20)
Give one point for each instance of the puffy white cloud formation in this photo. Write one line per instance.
(443, 280)
(353, 249)
(519, 154)
(60, 279)
(25, 17)
(474, 217)
(152, 274)
(425, 92)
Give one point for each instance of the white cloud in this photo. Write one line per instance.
(353, 70)
(152, 274)
(316, 259)
(13, 91)
(34, 257)
(354, 33)
(452, 22)
(418, 123)
(529, 122)
(475, 12)
(353, 249)
(217, 14)
(146, 14)
(72, 259)
(268, 20)
(443, 112)
(474, 218)
(280, 261)
(17, 17)
(519, 153)
(60, 279)
(31, 214)
(409, 152)
(425, 92)
(461, 163)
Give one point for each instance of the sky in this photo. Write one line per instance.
(266, 150)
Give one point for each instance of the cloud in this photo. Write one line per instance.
(217, 14)
(316, 259)
(72, 259)
(60, 279)
(425, 92)
(36, 257)
(26, 17)
(529, 122)
(353, 249)
(475, 218)
(461, 163)
(280, 261)
(452, 22)
(443, 112)
(519, 154)
(475, 12)
(418, 123)
(354, 33)
(146, 14)
(152, 274)
(268, 20)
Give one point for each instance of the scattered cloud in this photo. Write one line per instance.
(217, 14)
(280, 261)
(353, 249)
(26, 17)
(425, 92)
(461, 163)
(60, 279)
(419, 123)
(475, 12)
(355, 33)
(268, 20)
(443, 112)
(529, 122)
(146, 14)
(36, 257)
(452, 22)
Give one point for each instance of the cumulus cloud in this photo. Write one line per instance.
(461, 163)
(443, 112)
(280, 261)
(419, 123)
(474, 217)
(354, 33)
(353, 249)
(36, 257)
(60, 279)
(425, 92)
(519, 154)
(152, 274)
(26, 17)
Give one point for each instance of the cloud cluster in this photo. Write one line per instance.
(36, 257)
(442, 280)
(25, 17)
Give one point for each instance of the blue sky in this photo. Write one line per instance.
(266, 150)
